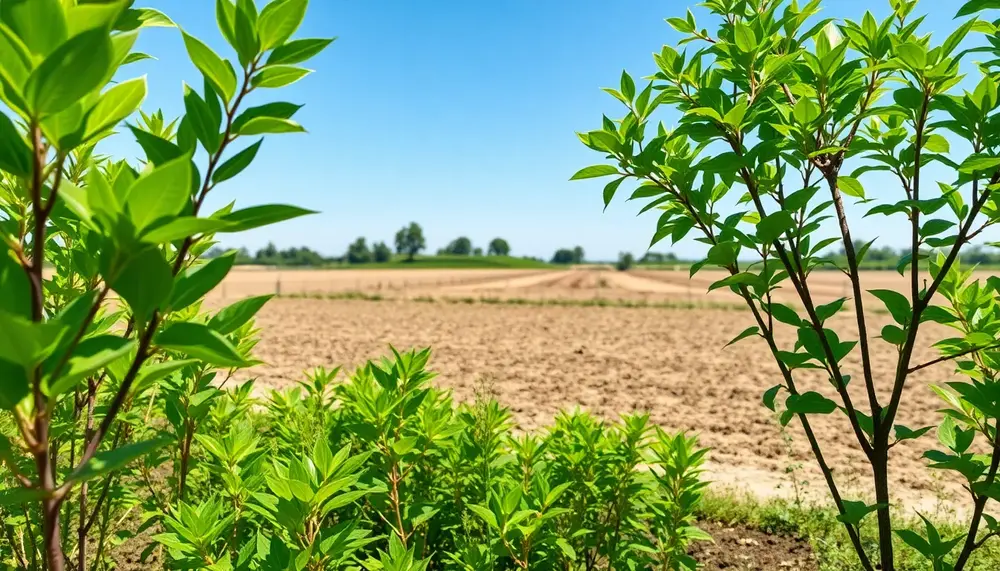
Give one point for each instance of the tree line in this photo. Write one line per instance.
(408, 242)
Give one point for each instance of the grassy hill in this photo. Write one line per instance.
(452, 262)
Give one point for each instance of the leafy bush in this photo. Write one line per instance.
(774, 106)
(384, 470)
(115, 333)
(625, 261)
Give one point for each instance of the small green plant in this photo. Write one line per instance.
(782, 115)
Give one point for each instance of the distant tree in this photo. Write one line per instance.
(563, 256)
(410, 240)
(243, 256)
(658, 258)
(358, 252)
(269, 252)
(381, 252)
(578, 255)
(498, 247)
(460, 246)
(625, 261)
(477, 251)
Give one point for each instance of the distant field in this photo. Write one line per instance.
(601, 283)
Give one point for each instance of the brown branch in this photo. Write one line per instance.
(951, 357)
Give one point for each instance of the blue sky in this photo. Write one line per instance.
(458, 115)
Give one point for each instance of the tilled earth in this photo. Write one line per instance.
(613, 360)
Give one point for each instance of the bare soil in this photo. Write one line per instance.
(738, 548)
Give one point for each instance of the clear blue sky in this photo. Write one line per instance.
(458, 115)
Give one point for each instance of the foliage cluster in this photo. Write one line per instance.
(783, 115)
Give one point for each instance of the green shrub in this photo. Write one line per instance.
(384, 470)
(781, 116)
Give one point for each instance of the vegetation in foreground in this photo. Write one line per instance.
(118, 437)
(787, 113)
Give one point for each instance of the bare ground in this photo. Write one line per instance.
(614, 360)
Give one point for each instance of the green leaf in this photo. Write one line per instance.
(150, 373)
(913, 55)
(193, 283)
(175, 229)
(297, 51)
(809, 403)
(828, 310)
(937, 144)
(594, 172)
(245, 31)
(144, 282)
(90, 356)
(935, 226)
(257, 216)
(201, 119)
(278, 21)
(722, 254)
(14, 384)
(744, 37)
(610, 189)
(157, 149)
(270, 125)
(979, 163)
(627, 86)
(749, 331)
(974, 6)
(893, 334)
(806, 111)
(897, 304)
(200, 342)
(742, 278)
(236, 315)
(774, 225)
(851, 186)
(73, 70)
(904, 433)
(115, 105)
(278, 76)
(114, 460)
(770, 395)
(485, 514)
(15, 154)
(40, 23)
(163, 192)
(236, 164)
(914, 540)
(215, 69)
(225, 16)
(135, 18)
(279, 110)
(854, 512)
(15, 289)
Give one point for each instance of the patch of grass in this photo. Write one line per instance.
(826, 535)
(446, 262)
(338, 295)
